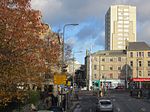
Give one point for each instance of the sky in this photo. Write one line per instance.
(90, 15)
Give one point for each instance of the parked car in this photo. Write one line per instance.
(105, 105)
(119, 87)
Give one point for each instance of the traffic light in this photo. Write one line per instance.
(93, 83)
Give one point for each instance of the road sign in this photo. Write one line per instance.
(60, 79)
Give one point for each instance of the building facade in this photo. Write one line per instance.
(120, 26)
(72, 66)
(120, 67)
(107, 67)
(138, 59)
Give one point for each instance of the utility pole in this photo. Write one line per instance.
(63, 57)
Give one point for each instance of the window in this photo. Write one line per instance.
(95, 58)
(120, 42)
(148, 54)
(120, 18)
(126, 26)
(137, 54)
(140, 54)
(103, 59)
(111, 68)
(140, 73)
(126, 14)
(120, 26)
(126, 34)
(119, 9)
(131, 54)
(148, 73)
(119, 68)
(111, 59)
(126, 30)
(95, 67)
(131, 63)
(120, 22)
(140, 63)
(119, 58)
(120, 38)
(102, 67)
(120, 13)
(120, 30)
(126, 22)
(95, 76)
(148, 63)
(126, 9)
(120, 47)
(120, 34)
(126, 18)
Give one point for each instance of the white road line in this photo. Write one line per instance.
(118, 109)
(143, 109)
(114, 99)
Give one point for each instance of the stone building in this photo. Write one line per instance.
(138, 59)
(106, 66)
(120, 67)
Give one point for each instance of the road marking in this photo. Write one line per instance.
(114, 99)
(143, 109)
(118, 109)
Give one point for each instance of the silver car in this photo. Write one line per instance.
(105, 105)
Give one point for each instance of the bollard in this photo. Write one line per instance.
(139, 94)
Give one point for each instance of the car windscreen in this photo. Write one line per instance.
(105, 102)
(56, 109)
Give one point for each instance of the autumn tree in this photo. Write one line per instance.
(24, 55)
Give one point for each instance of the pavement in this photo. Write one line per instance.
(73, 103)
(73, 106)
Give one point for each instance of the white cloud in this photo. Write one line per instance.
(71, 41)
(59, 12)
(49, 8)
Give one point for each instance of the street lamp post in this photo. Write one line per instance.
(63, 54)
(63, 50)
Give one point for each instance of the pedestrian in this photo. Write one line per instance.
(100, 93)
(131, 93)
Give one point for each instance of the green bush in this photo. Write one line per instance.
(34, 97)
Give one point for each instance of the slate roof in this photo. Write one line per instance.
(138, 46)
(110, 53)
